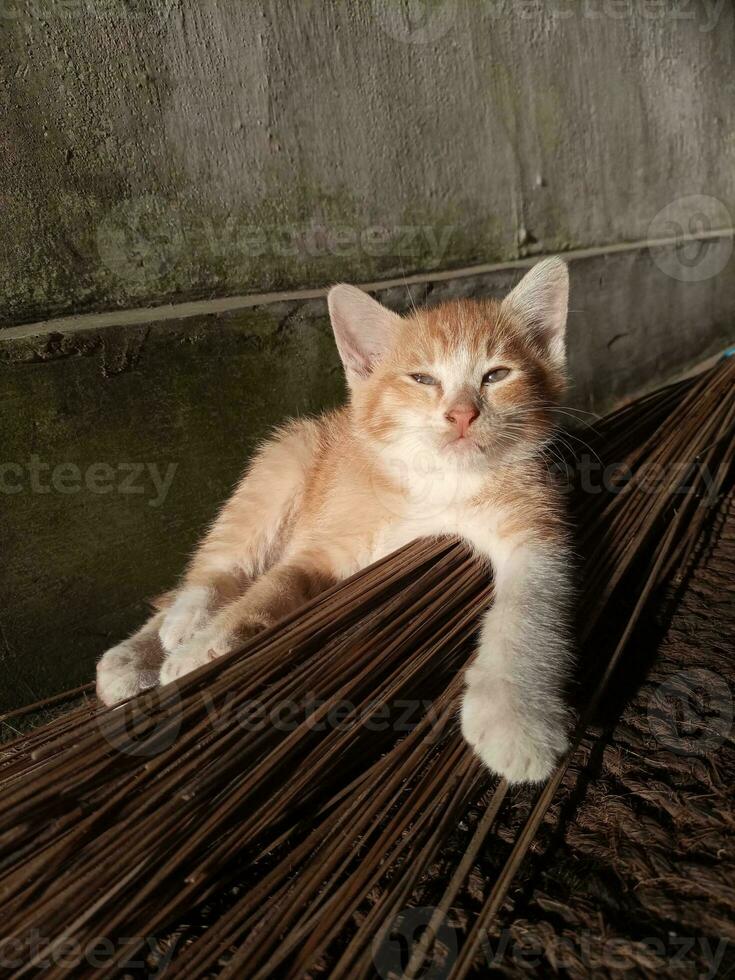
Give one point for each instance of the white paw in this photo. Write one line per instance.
(513, 743)
(205, 646)
(118, 676)
(189, 614)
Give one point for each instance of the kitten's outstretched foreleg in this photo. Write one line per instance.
(198, 599)
(245, 541)
(285, 587)
(247, 537)
(513, 712)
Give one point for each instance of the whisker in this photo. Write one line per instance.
(582, 442)
(561, 409)
(408, 292)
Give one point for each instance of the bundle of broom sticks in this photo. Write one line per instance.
(304, 787)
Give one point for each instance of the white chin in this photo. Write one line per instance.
(463, 453)
(462, 447)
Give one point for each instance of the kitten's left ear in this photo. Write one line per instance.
(363, 329)
(540, 302)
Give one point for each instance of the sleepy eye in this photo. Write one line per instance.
(497, 374)
(424, 379)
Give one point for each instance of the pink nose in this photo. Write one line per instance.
(463, 416)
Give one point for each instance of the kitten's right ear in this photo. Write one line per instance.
(540, 302)
(363, 329)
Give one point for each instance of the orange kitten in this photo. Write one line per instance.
(449, 409)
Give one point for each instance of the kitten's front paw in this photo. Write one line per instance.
(189, 614)
(207, 645)
(119, 676)
(201, 649)
(511, 742)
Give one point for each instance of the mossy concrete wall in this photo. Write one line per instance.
(169, 149)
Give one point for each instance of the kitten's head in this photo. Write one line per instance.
(468, 383)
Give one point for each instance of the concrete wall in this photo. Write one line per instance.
(169, 151)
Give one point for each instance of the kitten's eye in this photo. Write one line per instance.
(424, 379)
(497, 374)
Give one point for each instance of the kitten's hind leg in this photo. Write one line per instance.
(133, 665)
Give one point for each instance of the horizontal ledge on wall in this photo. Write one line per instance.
(139, 316)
